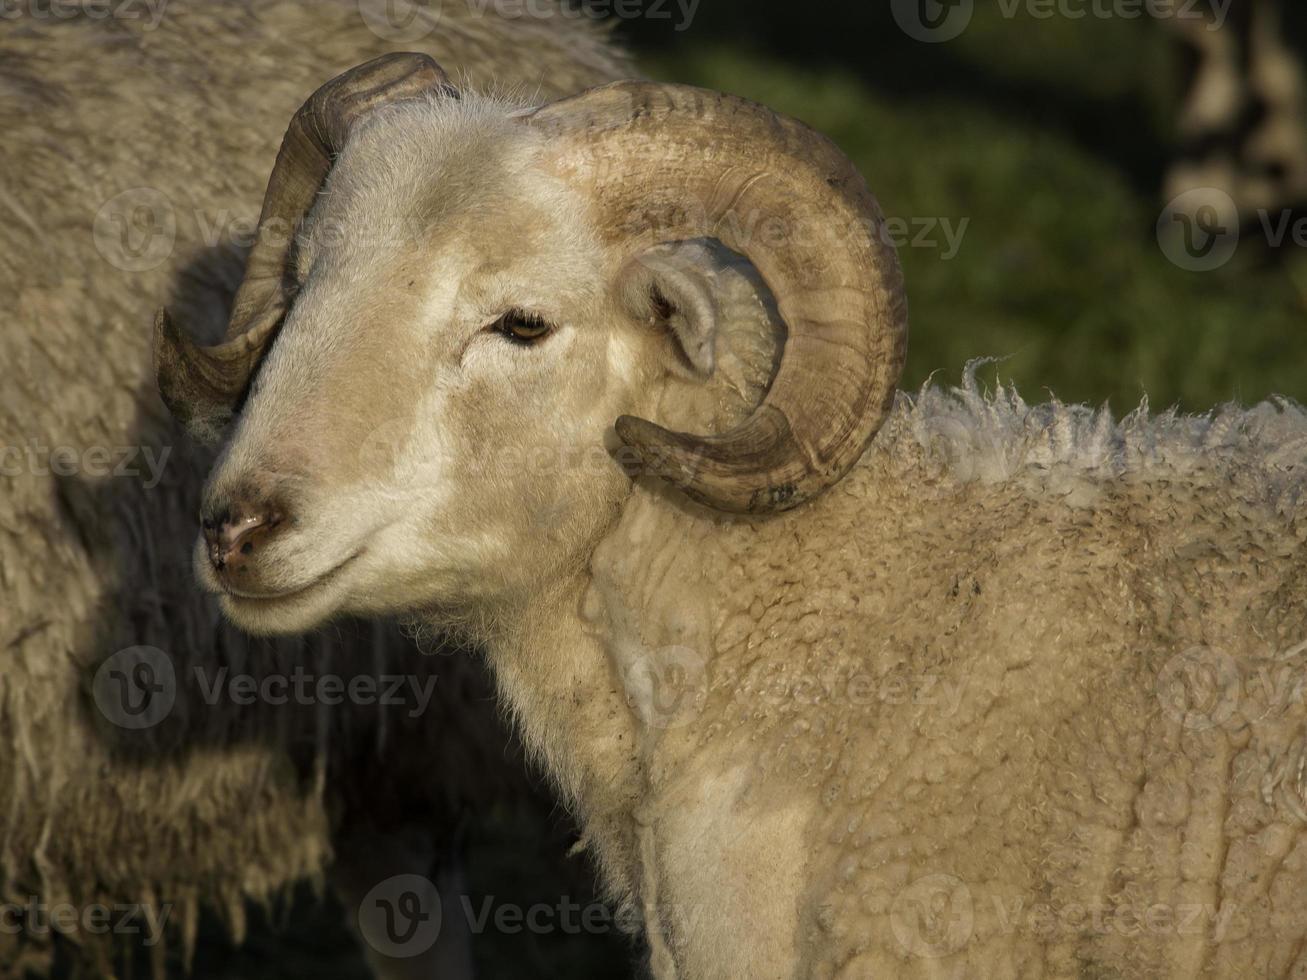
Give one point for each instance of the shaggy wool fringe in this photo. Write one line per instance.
(995, 436)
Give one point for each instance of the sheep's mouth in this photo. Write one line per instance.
(295, 593)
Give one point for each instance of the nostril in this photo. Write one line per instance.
(238, 528)
(235, 533)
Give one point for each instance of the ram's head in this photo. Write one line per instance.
(457, 319)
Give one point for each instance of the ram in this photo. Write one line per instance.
(132, 148)
(826, 702)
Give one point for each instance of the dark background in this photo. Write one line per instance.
(1052, 136)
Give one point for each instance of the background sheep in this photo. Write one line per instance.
(1043, 139)
(134, 151)
(1241, 126)
(1047, 573)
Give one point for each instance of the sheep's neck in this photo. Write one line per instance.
(553, 673)
(584, 667)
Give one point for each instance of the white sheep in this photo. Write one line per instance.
(133, 152)
(939, 720)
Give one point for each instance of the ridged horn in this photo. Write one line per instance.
(666, 163)
(202, 386)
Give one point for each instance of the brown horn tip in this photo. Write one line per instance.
(708, 468)
(190, 381)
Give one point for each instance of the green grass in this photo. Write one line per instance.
(1059, 270)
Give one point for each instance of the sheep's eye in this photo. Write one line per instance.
(522, 328)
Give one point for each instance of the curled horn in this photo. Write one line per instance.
(202, 386)
(665, 163)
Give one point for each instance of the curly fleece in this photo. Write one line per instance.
(1021, 696)
(215, 804)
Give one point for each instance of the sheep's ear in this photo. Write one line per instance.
(671, 289)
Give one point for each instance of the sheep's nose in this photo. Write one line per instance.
(234, 534)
